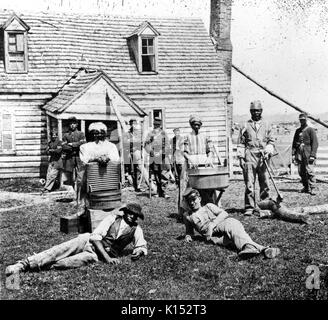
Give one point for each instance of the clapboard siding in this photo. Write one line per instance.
(178, 108)
(29, 134)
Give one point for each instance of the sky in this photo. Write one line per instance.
(282, 44)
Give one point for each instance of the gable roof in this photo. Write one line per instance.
(11, 19)
(79, 84)
(141, 28)
(60, 44)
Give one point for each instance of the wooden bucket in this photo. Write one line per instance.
(209, 178)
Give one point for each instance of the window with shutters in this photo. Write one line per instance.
(7, 139)
(16, 52)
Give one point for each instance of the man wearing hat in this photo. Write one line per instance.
(54, 150)
(72, 140)
(215, 225)
(157, 144)
(198, 151)
(106, 243)
(255, 138)
(304, 152)
(177, 154)
(132, 146)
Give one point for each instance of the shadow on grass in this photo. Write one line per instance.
(290, 190)
(65, 200)
(235, 210)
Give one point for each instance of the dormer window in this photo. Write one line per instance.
(148, 55)
(143, 44)
(15, 42)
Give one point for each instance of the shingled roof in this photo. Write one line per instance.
(78, 84)
(60, 44)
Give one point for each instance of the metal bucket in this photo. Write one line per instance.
(209, 178)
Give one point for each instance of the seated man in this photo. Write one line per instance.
(216, 226)
(106, 242)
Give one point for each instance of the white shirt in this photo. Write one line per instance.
(92, 150)
(100, 232)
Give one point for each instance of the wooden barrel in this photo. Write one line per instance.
(103, 185)
(209, 178)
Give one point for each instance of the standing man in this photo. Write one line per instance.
(157, 144)
(132, 152)
(198, 151)
(255, 138)
(304, 152)
(177, 149)
(54, 150)
(72, 165)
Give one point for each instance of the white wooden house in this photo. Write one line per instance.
(54, 66)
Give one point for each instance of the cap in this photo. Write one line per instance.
(97, 126)
(302, 116)
(195, 118)
(72, 120)
(256, 105)
(189, 191)
(134, 208)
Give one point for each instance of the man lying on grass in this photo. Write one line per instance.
(217, 227)
(106, 243)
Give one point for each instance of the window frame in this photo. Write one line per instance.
(9, 53)
(11, 151)
(151, 117)
(154, 54)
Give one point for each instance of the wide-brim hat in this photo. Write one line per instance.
(134, 208)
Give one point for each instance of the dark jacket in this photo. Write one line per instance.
(305, 139)
(54, 150)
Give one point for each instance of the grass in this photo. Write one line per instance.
(174, 269)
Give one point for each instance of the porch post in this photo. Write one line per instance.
(120, 135)
(83, 126)
(48, 127)
(60, 137)
(60, 129)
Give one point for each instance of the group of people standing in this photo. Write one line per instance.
(180, 154)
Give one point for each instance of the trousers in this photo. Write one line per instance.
(52, 174)
(305, 170)
(253, 167)
(74, 253)
(231, 232)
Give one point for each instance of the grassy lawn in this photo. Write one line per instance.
(174, 269)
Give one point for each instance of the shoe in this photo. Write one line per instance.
(249, 251)
(311, 192)
(15, 268)
(304, 190)
(271, 253)
(138, 190)
(248, 212)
